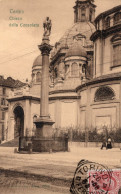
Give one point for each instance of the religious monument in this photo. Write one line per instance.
(44, 134)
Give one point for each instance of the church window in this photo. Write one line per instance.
(3, 115)
(74, 70)
(90, 15)
(56, 72)
(83, 14)
(83, 68)
(4, 91)
(116, 49)
(2, 132)
(2, 101)
(104, 93)
(38, 77)
(117, 55)
(107, 22)
(97, 26)
(117, 18)
(33, 76)
(66, 68)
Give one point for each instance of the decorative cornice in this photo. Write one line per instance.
(104, 33)
(61, 91)
(23, 98)
(45, 48)
(38, 99)
(64, 97)
(115, 77)
(108, 12)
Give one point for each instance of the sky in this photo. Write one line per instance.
(19, 45)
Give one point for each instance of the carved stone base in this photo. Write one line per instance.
(50, 145)
(44, 141)
(44, 127)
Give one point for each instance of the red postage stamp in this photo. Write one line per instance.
(101, 182)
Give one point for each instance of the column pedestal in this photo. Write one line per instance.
(44, 127)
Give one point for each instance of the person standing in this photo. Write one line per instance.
(109, 143)
(103, 144)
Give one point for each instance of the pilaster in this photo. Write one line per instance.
(27, 120)
(120, 107)
(88, 116)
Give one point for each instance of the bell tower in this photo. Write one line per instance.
(84, 11)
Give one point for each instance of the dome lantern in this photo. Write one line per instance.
(84, 10)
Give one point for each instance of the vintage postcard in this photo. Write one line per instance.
(60, 97)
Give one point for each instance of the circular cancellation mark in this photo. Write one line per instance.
(91, 177)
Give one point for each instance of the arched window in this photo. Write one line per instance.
(66, 68)
(107, 22)
(74, 70)
(117, 18)
(116, 45)
(38, 77)
(33, 77)
(117, 55)
(56, 72)
(104, 93)
(90, 15)
(83, 14)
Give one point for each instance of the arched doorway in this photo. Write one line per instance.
(19, 124)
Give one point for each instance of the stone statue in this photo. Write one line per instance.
(47, 27)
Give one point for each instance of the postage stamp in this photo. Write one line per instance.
(94, 178)
(99, 181)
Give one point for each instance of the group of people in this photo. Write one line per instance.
(107, 144)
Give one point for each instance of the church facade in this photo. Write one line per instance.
(85, 74)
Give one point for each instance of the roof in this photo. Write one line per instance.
(83, 1)
(10, 82)
(76, 50)
(108, 12)
(37, 61)
(84, 28)
(101, 79)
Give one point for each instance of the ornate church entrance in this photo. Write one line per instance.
(19, 124)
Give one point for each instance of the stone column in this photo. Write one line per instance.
(45, 49)
(43, 140)
(44, 122)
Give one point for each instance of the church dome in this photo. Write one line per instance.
(37, 61)
(84, 28)
(76, 50)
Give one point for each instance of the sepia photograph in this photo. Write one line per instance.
(60, 97)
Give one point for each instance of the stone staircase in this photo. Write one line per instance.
(11, 143)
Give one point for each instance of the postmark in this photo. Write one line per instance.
(91, 177)
(97, 177)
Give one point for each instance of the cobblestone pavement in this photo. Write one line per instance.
(20, 185)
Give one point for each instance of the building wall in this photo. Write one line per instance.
(68, 113)
(35, 111)
(30, 108)
(4, 92)
(108, 35)
(35, 90)
(64, 112)
(99, 113)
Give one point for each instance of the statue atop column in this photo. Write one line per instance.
(47, 27)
